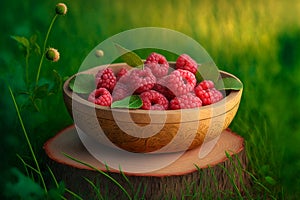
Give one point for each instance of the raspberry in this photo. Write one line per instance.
(123, 71)
(158, 64)
(105, 78)
(141, 80)
(120, 92)
(101, 96)
(156, 58)
(207, 84)
(158, 70)
(181, 82)
(153, 100)
(189, 100)
(184, 61)
(160, 86)
(207, 92)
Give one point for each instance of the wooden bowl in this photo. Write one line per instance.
(144, 131)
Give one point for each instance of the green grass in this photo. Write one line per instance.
(258, 41)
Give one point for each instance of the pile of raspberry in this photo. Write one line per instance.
(159, 86)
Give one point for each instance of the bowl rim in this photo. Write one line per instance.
(216, 106)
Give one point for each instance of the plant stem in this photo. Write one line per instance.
(44, 49)
(27, 68)
(27, 139)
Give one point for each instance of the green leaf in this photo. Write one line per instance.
(57, 83)
(23, 187)
(270, 180)
(41, 91)
(131, 102)
(229, 83)
(207, 71)
(131, 58)
(22, 41)
(198, 77)
(85, 83)
(35, 46)
(58, 192)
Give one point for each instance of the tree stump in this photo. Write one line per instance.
(220, 173)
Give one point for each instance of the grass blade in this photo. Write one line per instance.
(26, 165)
(98, 193)
(216, 182)
(127, 180)
(101, 172)
(27, 140)
(53, 176)
(232, 181)
(74, 194)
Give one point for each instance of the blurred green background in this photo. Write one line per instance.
(258, 41)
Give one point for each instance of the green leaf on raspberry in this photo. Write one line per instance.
(229, 83)
(198, 76)
(131, 58)
(131, 102)
(85, 83)
(207, 71)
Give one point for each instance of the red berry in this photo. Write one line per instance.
(101, 96)
(158, 64)
(123, 71)
(208, 93)
(153, 100)
(189, 100)
(162, 88)
(207, 84)
(181, 82)
(141, 80)
(120, 91)
(158, 70)
(184, 61)
(105, 78)
(156, 58)
(125, 78)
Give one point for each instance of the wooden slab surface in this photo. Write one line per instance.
(67, 141)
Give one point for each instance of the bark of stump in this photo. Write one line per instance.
(215, 173)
